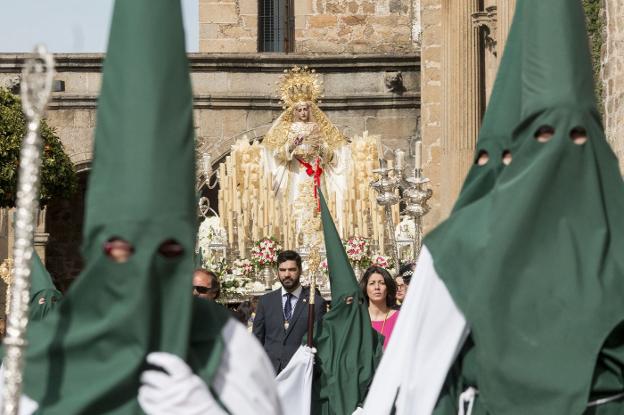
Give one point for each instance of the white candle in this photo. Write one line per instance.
(418, 155)
(399, 159)
(206, 161)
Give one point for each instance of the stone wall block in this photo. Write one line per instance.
(391, 127)
(354, 20)
(218, 13)
(234, 122)
(368, 7)
(322, 21)
(251, 23)
(249, 45)
(211, 123)
(257, 118)
(208, 30)
(353, 7)
(208, 83)
(335, 7)
(248, 6)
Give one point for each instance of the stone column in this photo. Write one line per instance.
(463, 94)
(613, 77)
(432, 106)
(41, 237)
(505, 12)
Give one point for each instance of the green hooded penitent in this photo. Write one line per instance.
(348, 348)
(500, 119)
(536, 264)
(44, 296)
(87, 356)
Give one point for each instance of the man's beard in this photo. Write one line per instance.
(290, 283)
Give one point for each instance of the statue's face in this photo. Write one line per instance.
(302, 112)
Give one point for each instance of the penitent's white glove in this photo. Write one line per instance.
(179, 391)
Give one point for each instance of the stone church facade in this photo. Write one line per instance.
(371, 81)
(404, 69)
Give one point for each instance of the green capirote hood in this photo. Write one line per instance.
(535, 265)
(88, 354)
(348, 348)
(44, 296)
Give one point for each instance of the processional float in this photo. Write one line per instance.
(267, 186)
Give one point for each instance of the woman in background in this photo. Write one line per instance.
(379, 289)
(403, 281)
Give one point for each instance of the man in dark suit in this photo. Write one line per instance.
(282, 315)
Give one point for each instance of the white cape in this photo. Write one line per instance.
(294, 383)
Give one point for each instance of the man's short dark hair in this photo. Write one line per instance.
(289, 256)
(216, 285)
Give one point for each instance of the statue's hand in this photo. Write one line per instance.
(296, 142)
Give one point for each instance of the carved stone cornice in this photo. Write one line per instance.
(263, 62)
(487, 20)
(361, 102)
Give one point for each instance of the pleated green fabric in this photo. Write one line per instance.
(348, 348)
(87, 356)
(536, 263)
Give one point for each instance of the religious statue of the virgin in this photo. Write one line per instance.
(303, 149)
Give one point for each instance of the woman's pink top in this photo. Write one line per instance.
(387, 328)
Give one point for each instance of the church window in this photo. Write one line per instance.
(276, 26)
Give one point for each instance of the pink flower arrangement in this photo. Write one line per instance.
(265, 251)
(357, 249)
(324, 267)
(243, 268)
(380, 261)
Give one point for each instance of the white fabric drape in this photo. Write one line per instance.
(294, 383)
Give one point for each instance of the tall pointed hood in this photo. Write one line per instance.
(341, 275)
(143, 153)
(40, 277)
(348, 348)
(556, 63)
(501, 117)
(535, 265)
(88, 356)
(43, 294)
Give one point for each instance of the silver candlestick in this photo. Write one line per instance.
(386, 187)
(36, 86)
(416, 197)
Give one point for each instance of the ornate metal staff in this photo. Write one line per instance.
(314, 259)
(36, 86)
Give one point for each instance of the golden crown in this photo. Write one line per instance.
(299, 84)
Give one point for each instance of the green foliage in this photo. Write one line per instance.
(594, 13)
(58, 176)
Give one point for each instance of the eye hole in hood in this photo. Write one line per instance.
(578, 135)
(118, 250)
(482, 158)
(506, 157)
(171, 249)
(544, 133)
